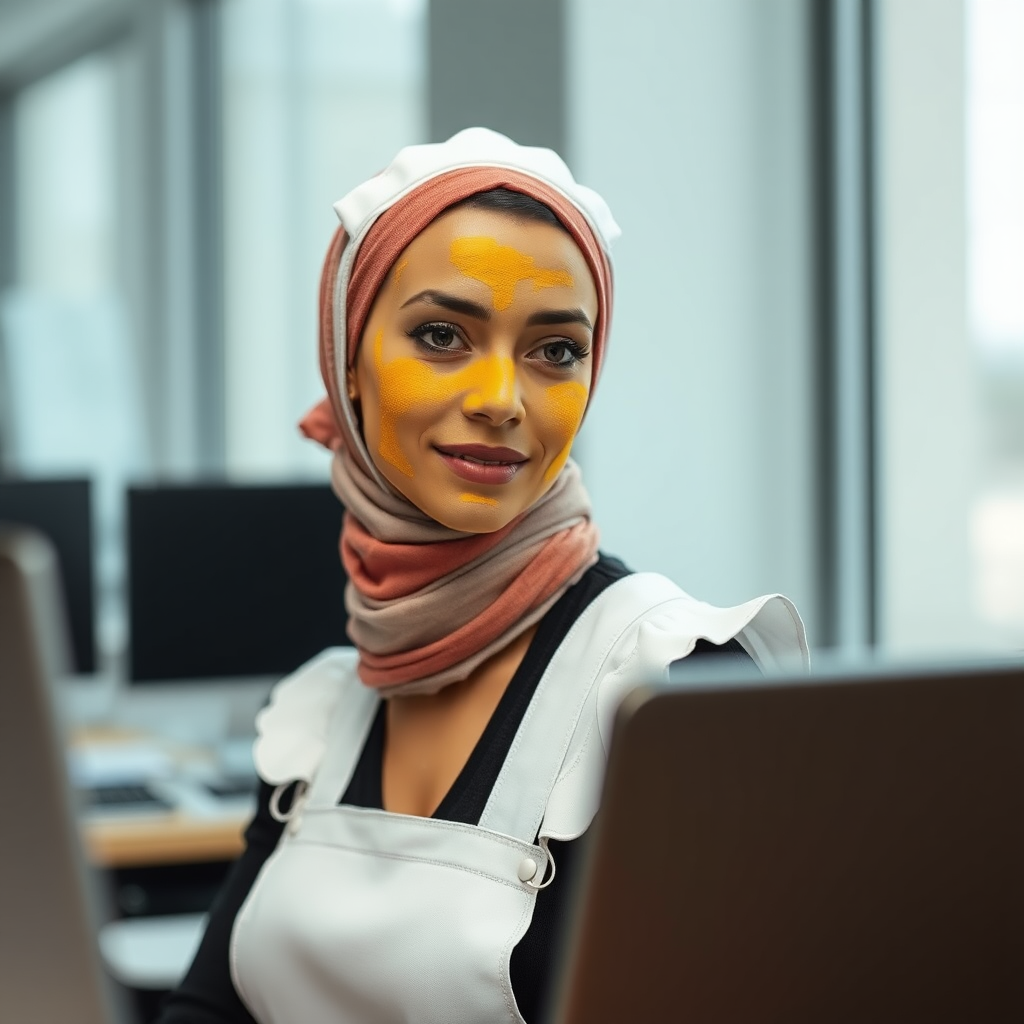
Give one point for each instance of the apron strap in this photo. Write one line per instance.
(351, 719)
(519, 798)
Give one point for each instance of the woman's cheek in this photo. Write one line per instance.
(388, 447)
(562, 407)
(404, 385)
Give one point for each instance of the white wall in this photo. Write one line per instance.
(692, 119)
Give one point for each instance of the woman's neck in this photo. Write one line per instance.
(429, 738)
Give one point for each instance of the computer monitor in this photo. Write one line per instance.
(229, 580)
(61, 509)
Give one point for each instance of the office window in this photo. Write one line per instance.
(995, 168)
(318, 96)
(65, 329)
(951, 325)
(72, 402)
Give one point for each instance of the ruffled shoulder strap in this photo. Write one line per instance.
(291, 731)
(768, 628)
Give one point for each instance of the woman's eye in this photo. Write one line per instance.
(562, 353)
(438, 337)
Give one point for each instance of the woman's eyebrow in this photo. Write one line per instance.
(559, 316)
(452, 302)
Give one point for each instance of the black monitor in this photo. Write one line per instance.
(229, 580)
(62, 510)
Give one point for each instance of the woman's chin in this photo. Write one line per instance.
(470, 516)
(455, 504)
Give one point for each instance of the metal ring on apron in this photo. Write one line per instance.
(275, 800)
(530, 883)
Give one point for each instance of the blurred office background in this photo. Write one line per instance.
(816, 377)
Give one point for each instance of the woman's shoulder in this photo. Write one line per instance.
(291, 731)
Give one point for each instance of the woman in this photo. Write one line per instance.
(421, 790)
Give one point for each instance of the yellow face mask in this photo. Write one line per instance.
(473, 372)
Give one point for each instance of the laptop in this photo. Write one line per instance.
(49, 963)
(841, 849)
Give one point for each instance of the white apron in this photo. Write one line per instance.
(366, 916)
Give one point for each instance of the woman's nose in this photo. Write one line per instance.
(493, 391)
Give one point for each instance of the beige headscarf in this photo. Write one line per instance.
(428, 604)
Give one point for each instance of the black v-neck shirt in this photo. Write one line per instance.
(466, 799)
(207, 995)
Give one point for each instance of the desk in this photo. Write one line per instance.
(174, 838)
(200, 828)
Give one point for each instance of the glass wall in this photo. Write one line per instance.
(73, 391)
(67, 341)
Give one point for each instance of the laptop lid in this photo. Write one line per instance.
(841, 850)
(49, 964)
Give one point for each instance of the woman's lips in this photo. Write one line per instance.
(482, 464)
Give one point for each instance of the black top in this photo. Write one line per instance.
(207, 995)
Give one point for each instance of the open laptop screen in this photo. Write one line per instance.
(849, 849)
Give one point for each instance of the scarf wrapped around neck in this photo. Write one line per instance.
(428, 604)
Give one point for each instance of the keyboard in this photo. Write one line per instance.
(233, 787)
(129, 797)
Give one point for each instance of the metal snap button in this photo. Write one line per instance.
(527, 869)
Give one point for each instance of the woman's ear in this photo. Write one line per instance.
(352, 385)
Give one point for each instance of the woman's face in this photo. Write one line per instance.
(473, 370)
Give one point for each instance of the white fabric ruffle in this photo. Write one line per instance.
(291, 731)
